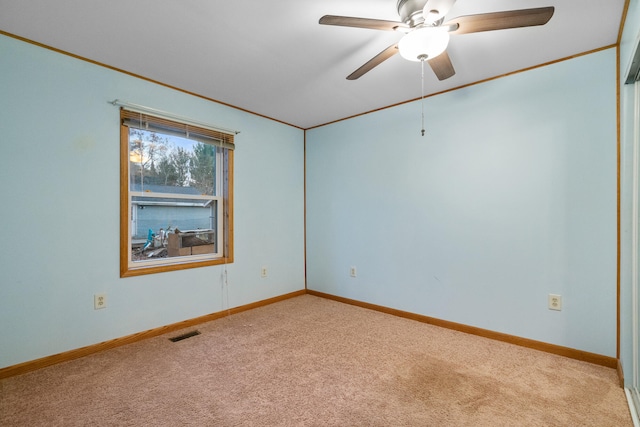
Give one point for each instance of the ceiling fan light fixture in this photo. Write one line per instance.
(424, 43)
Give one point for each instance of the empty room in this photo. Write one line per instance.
(320, 213)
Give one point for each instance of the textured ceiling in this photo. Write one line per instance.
(274, 59)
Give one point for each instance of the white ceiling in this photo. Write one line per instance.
(274, 59)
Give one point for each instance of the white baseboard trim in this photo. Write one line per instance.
(632, 408)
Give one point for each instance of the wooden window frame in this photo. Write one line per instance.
(127, 269)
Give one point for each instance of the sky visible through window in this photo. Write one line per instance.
(171, 161)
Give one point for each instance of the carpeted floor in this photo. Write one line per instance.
(309, 361)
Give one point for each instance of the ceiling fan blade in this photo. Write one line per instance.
(373, 24)
(501, 20)
(373, 62)
(442, 66)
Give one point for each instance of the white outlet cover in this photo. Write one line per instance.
(99, 301)
(555, 302)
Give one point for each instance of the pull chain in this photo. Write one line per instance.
(422, 58)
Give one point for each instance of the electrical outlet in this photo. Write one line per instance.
(263, 271)
(555, 302)
(99, 301)
(353, 272)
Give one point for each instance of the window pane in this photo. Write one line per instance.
(163, 163)
(155, 221)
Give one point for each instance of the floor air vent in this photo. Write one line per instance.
(184, 336)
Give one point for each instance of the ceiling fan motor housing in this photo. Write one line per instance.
(410, 11)
(423, 12)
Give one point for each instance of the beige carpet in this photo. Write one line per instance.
(309, 361)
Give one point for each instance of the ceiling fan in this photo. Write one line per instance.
(426, 36)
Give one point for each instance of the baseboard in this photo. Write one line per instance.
(33, 365)
(585, 356)
(632, 407)
(620, 372)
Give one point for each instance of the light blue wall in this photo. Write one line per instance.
(59, 168)
(629, 41)
(510, 196)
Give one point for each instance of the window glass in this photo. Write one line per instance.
(175, 198)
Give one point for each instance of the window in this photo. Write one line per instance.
(176, 199)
